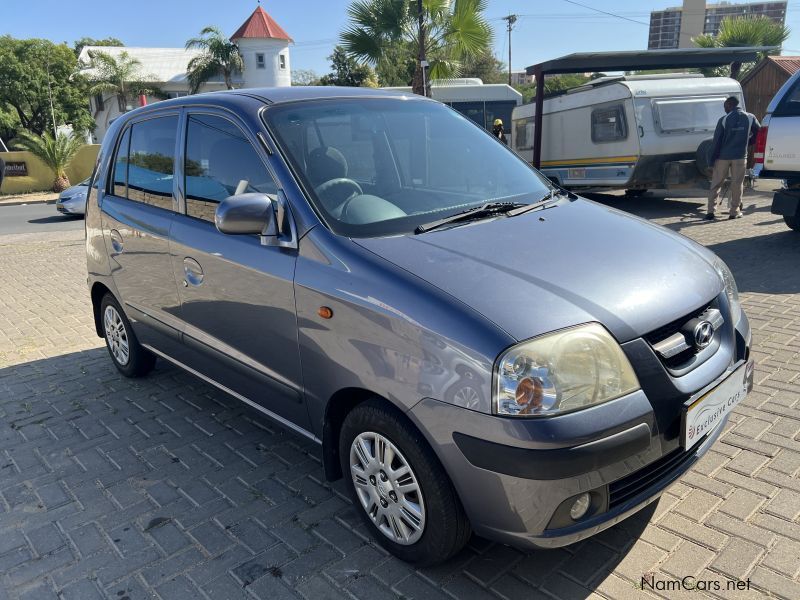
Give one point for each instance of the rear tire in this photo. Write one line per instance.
(792, 222)
(127, 354)
(399, 488)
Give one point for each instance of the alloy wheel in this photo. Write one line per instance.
(116, 335)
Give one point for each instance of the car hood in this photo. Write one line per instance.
(73, 191)
(575, 262)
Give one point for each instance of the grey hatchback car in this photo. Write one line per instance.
(473, 348)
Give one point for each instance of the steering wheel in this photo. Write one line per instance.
(324, 189)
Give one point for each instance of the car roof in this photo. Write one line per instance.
(278, 95)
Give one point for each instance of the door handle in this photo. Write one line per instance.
(116, 241)
(641, 131)
(192, 272)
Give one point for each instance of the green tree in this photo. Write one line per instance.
(56, 152)
(486, 67)
(88, 41)
(26, 69)
(220, 56)
(744, 31)
(449, 33)
(121, 76)
(304, 77)
(397, 64)
(553, 84)
(348, 72)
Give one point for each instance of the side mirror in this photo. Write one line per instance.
(245, 213)
(257, 213)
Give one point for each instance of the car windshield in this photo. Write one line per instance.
(380, 166)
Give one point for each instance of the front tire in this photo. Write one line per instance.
(399, 488)
(127, 354)
(793, 222)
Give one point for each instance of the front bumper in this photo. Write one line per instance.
(517, 478)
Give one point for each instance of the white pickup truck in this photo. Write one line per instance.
(777, 150)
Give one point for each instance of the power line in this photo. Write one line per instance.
(610, 14)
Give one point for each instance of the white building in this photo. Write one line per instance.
(263, 44)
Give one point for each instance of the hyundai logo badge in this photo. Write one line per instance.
(703, 334)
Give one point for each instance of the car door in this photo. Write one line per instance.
(137, 213)
(237, 296)
(784, 127)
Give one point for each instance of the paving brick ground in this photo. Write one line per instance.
(164, 487)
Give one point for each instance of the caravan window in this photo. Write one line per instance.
(608, 124)
(688, 114)
(523, 134)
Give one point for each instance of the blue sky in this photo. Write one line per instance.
(549, 28)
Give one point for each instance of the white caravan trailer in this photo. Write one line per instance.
(630, 132)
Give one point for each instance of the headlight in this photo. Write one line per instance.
(561, 372)
(730, 288)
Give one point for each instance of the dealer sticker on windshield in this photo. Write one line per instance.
(708, 411)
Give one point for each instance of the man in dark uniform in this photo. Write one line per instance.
(735, 132)
(497, 131)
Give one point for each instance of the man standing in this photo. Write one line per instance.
(497, 131)
(735, 132)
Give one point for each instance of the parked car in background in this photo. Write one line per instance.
(472, 348)
(632, 132)
(72, 201)
(777, 150)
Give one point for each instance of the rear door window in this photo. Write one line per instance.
(220, 162)
(151, 159)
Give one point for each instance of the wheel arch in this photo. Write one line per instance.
(98, 291)
(337, 409)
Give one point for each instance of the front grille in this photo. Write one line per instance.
(664, 332)
(628, 487)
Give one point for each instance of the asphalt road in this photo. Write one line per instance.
(34, 218)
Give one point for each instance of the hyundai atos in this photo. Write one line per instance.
(473, 348)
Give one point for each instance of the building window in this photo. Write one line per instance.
(98, 102)
(282, 59)
(260, 62)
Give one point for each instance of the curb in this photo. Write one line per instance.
(20, 202)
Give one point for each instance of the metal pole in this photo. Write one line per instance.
(510, 20)
(538, 117)
(422, 59)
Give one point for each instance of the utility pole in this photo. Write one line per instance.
(510, 20)
(422, 59)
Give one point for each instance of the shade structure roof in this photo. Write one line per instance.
(260, 25)
(629, 60)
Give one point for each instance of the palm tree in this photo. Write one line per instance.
(448, 33)
(220, 57)
(55, 152)
(119, 75)
(745, 31)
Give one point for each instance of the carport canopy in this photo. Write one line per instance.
(673, 58)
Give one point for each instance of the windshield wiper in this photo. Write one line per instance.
(485, 210)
